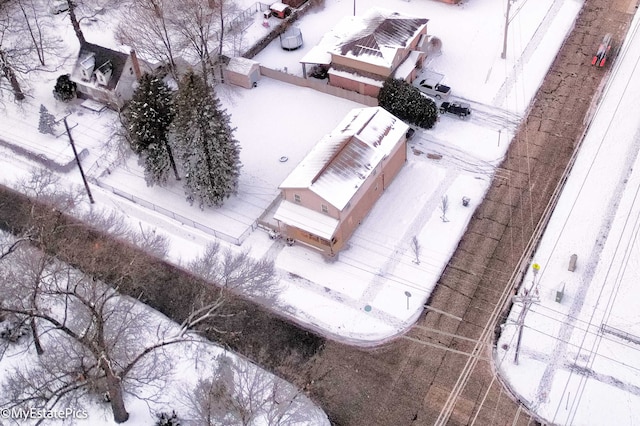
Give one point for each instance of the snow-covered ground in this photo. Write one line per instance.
(362, 296)
(579, 358)
(374, 290)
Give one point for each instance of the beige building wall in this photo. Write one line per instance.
(356, 210)
(354, 85)
(363, 201)
(310, 200)
(359, 65)
(394, 163)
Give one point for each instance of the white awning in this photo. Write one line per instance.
(317, 55)
(409, 64)
(306, 219)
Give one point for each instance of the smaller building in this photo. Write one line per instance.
(294, 3)
(280, 10)
(361, 52)
(242, 72)
(106, 76)
(334, 187)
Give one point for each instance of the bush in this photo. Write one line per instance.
(407, 103)
(165, 419)
(65, 89)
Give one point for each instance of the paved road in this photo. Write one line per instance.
(408, 382)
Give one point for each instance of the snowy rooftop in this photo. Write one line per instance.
(374, 37)
(92, 55)
(336, 167)
(241, 65)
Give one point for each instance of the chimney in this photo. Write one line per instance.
(136, 64)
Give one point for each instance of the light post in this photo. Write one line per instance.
(527, 299)
(408, 294)
(75, 154)
(506, 29)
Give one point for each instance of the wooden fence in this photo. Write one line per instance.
(319, 85)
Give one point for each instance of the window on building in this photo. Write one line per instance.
(325, 208)
(296, 198)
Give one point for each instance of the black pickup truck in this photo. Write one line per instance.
(460, 109)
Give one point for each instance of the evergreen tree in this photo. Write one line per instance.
(65, 89)
(47, 121)
(148, 118)
(407, 103)
(209, 153)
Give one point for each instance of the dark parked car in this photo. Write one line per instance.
(456, 108)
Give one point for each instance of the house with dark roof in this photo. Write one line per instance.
(331, 191)
(362, 52)
(106, 76)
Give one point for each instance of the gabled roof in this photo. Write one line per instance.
(376, 36)
(106, 67)
(341, 161)
(102, 56)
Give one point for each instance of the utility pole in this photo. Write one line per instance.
(75, 153)
(506, 30)
(529, 297)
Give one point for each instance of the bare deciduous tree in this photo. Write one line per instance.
(80, 10)
(152, 34)
(237, 272)
(26, 40)
(415, 247)
(107, 343)
(12, 52)
(195, 23)
(113, 223)
(198, 29)
(34, 28)
(444, 207)
(88, 338)
(239, 393)
(46, 186)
